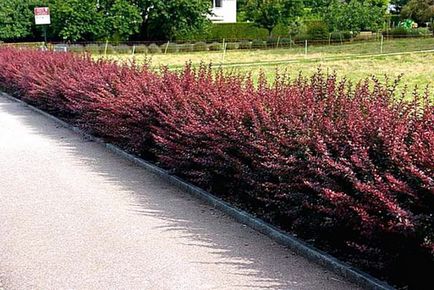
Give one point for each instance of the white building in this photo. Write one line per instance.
(224, 11)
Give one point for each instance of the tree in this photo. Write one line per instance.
(268, 13)
(355, 15)
(163, 19)
(16, 19)
(95, 19)
(241, 10)
(77, 20)
(421, 11)
(123, 19)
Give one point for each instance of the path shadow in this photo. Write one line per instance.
(198, 224)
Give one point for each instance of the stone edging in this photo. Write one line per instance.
(300, 247)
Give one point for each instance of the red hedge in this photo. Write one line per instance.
(349, 169)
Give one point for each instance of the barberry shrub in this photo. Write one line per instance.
(348, 168)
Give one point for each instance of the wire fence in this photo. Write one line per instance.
(376, 41)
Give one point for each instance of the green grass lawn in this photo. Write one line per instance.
(354, 61)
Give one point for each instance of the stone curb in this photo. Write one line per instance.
(300, 247)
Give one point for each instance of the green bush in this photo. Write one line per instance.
(278, 42)
(215, 46)
(200, 46)
(109, 50)
(245, 44)
(259, 44)
(341, 35)
(272, 42)
(317, 30)
(122, 49)
(301, 37)
(186, 47)
(154, 48)
(76, 48)
(399, 32)
(285, 42)
(93, 48)
(141, 48)
(234, 32)
(169, 47)
(233, 45)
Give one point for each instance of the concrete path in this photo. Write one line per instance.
(75, 216)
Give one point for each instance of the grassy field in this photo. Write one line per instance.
(414, 58)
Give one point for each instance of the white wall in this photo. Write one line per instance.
(225, 14)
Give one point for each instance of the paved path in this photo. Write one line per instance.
(75, 216)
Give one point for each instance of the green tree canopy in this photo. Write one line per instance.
(77, 20)
(164, 19)
(16, 19)
(420, 11)
(355, 15)
(269, 13)
(95, 19)
(123, 19)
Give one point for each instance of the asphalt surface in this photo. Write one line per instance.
(75, 216)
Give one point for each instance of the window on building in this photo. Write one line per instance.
(217, 3)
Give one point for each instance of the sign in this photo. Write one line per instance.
(42, 15)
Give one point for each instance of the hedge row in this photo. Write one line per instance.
(401, 32)
(233, 32)
(349, 168)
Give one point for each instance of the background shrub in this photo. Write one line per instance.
(245, 44)
(171, 47)
(78, 48)
(341, 35)
(186, 47)
(233, 32)
(399, 32)
(123, 49)
(141, 48)
(259, 44)
(200, 46)
(317, 30)
(154, 48)
(93, 48)
(110, 49)
(278, 42)
(285, 42)
(272, 42)
(215, 46)
(232, 45)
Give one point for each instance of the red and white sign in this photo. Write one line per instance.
(42, 15)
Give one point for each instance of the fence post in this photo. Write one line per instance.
(105, 48)
(278, 41)
(290, 41)
(225, 45)
(134, 49)
(167, 46)
(381, 43)
(330, 38)
(305, 47)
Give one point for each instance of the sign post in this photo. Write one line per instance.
(42, 17)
